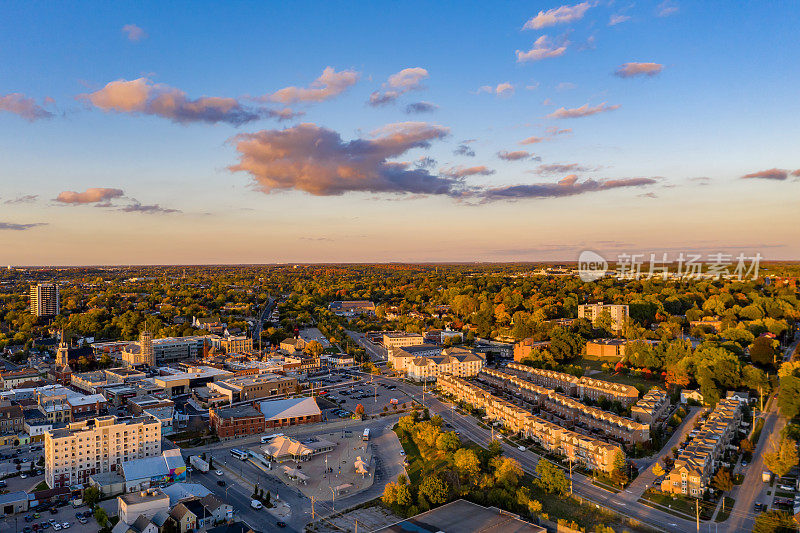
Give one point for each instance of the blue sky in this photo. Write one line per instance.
(721, 104)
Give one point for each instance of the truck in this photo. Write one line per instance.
(766, 476)
(198, 462)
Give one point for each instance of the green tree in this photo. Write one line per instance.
(407, 423)
(782, 458)
(507, 471)
(91, 495)
(467, 463)
(774, 522)
(552, 478)
(403, 496)
(434, 490)
(101, 516)
(448, 442)
(723, 480)
(789, 396)
(762, 351)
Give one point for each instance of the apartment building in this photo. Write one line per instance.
(98, 445)
(401, 339)
(11, 418)
(696, 465)
(45, 299)
(546, 378)
(651, 407)
(401, 357)
(13, 379)
(256, 387)
(235, 422)
(570, 410)
(619, 313)
(583, 449)
(595, 389)
(460, 363)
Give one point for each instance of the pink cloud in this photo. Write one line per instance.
(771, 174)
(567, 186)
(629, 70)
(463, 172)
(89, 196)
(542, 49)
(24, 106)
(513, 156)
(618, 19)
(582, 111)
(559, 15)
(134, 32)
(531, 140)
(408, 79)
(318, 161)
(502, 89)
(143, 96)
(329, 85)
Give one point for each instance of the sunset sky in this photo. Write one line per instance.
(260, 132)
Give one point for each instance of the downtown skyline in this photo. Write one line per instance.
(259, 133)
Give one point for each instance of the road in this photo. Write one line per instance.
(376, 353)
(265, 312)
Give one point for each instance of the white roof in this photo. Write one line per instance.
(291, 408)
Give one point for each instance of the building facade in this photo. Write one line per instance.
(236, 422)
(45, 299)
(619, 313)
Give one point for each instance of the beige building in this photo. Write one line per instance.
(651, 407)
(546, 378)
(146, 503)
(45, 299)
(400, 358)
(141, 353)
(236, 344)
(595, 389)
(619, 314)
(457, 362)
(256, 387)
(613, 349)
(97, 445)
(588, 451)
(401, 339)
(696, 465)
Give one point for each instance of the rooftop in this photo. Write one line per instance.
(291, 408)
(464, 517)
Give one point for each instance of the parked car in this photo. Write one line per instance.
(218, 472)
(787, 488)
(221, 483)
(281, 524)
(65, 525)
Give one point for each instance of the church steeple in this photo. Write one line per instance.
(62, 355)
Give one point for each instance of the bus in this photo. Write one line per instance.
(239, 454)
(266, 438)
(366, 434)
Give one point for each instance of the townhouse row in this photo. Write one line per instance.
(569, 409)
(694, 467)
(590, 452)
(583, 388)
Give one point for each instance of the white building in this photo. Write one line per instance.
(618, 313)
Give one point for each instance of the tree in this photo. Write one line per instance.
(406, 423)
(762, 351)
(360, 410)
(467, 463)
(448, 442)
(91, 495)
(267, 499)
(782, 458)
(723, 480)
(658, 470)
(101, 516)
(428, 433)
(390, 493)
(507, 471)
(789, 396)
(315, 348)
(403, 496)
(552, 478)
(433, 489)
(774, 522)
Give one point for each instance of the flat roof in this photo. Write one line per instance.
(462, 516)
(290, 408)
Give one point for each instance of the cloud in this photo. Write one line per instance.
(143, 96)
(666, 8)
(318, 161)
(421, 107)
(561, 168)
(567, 186)
(796, 173)
(464, 149)
(559, 15)
(583, 111)
(533, 86)
(329, 85)
(618, 19)
(565, 86)
(11, 226)
(647, 195)
(89, 196)
(134, 32)
(26, 199)
(24, 106)
(154, 209)
(285, 114)
(629, 70)
(554, 131)
(463, 172)
(408, 79)
(425, 162)
(531, 140)
(502, 89)
(701, 180)
(771, 174)
(513, 156)
(542, 49)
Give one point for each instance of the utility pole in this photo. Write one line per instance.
(697, 507)
(570, 476)
(313, 499)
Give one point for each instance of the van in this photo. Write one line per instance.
(255, 504)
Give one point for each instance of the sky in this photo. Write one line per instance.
(264, 132)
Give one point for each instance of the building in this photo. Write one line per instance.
(90, 382)
(145, 503)
(619, 314)
(45, 299)
(401, 357)
(14, 378)
(692, 395)
(149, 472)
(95, 446)
(525, 348)
(583, 449)
(456, 362)
(651, 407)
(352, 308)
(81, 407)
(401, 339)
(283, 448)
(236, 344)
(236, 422)
(697, 463)
(708, 323)
(441, 336)
(612, 349)
(11, 418)
(14, 502)
(291, 412)
(567, 383)
(176, 383)
(595, 389)
(256, 387)
(138, 405)
(569, 411)
(464, 517)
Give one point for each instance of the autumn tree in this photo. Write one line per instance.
(723, 480)
(552, 478)
(658, 470)
(448, 442)
(434, 490)
(782, 458)
(467, 463)
(506, 471)
(359, 410)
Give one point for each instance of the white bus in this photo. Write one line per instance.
(266, 438)
(239, 454)
(366, 434)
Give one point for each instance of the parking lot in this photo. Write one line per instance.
(65, 519)
(376, 397)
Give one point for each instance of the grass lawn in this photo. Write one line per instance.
(757, 431)
(627, 379)
(42, 485)
(725, 512)
(682, 506)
